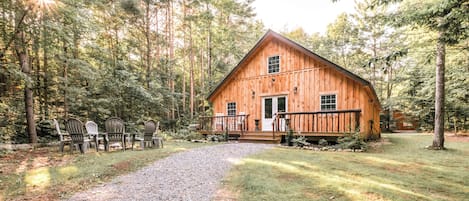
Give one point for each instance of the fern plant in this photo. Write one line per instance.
(353, 142)
(300, 141)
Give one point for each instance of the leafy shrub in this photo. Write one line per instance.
(300, 141)
(216, 138)
(323, 142)
(353, 142)
(183, 134)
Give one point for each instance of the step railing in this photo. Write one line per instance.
(319, 122)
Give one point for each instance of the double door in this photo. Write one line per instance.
(270, 106)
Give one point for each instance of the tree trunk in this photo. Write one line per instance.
(184, 27)
(36, 64)
(439, 135)
(65, 75)
(46, 72)
(148, 49)
(23, 59)
(171, 60)
(209, 48)
(191, 75)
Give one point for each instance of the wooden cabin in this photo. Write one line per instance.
(280, 85)
(403, 122)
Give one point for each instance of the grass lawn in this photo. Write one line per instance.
(399, 170)
(46, 174)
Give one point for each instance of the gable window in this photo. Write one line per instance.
(274, 64)
(328, 102)
(231, 109)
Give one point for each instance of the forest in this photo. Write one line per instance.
(159, 59)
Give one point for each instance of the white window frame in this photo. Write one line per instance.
(228, 109)
(268, 65)
(321, 104)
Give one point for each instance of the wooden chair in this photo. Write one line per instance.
(77, 134)
(149, 131)
(115, 132)
(64, 137)
(157, 140)
(240, 121)
(92, 131)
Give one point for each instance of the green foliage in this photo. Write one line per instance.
(183, 134)
(216, 138)
(127, 58)
(301, 141)
(353, 141)
(323, 142)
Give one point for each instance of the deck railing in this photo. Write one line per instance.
(218, 124)
(320, 122)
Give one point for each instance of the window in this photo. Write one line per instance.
(274, 64)
(231, 109)
(268, 108)
(328, 102)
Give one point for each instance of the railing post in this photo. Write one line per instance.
(227, 130)
(357, 121)
(273, 126)
(289, 132)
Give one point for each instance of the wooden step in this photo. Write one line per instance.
(259, 140)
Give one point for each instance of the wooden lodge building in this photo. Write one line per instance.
(280, 85)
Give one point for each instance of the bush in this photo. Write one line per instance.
(216, 138)
(300, 141)
(353, 142)
(183, 134)
(323, 142)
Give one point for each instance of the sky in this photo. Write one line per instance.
(312, 15)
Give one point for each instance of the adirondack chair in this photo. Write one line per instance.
(64, 137)
(115, 132)
(157, 140)
(77, 134)
(92, 131)
(240, 121)
(150, 129)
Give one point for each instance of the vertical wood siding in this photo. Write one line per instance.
(311, 77)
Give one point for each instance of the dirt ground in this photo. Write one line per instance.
(22, 160)
(457, 138)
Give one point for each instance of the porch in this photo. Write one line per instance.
(322, 124)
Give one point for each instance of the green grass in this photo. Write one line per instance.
(50, 175)
(402, 170)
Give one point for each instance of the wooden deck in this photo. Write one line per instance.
(321, 124)
(268, 137)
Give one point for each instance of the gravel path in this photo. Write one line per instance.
(192, 175)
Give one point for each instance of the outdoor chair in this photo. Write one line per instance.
(77, 134)
(149, 139)
(64, 137)
(115, 132)
(157, 140)
(92, 131)
(240, 121)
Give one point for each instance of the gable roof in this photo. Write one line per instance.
(269, 35)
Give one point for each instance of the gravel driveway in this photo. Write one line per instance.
(192, 175)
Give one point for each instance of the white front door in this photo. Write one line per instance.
(270, 106)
